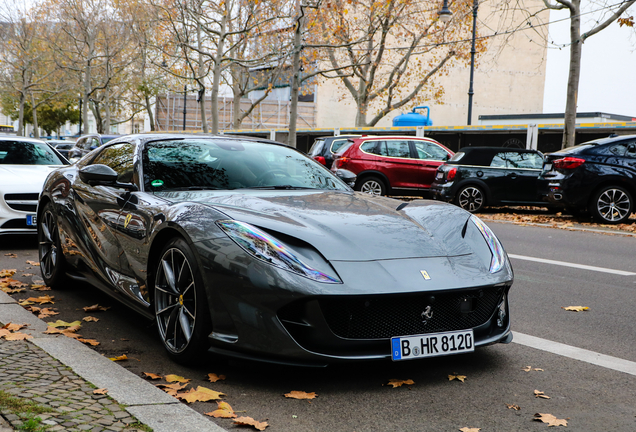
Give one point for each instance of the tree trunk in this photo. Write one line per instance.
(21, 116)
(295, 84)
(36, 129)
(151, 117)
(569, 126)
(202, 107)
(236, 93)
(107, 108)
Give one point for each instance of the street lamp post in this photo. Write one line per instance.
(185, 93)
(472, 63)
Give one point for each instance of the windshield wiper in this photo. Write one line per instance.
(286, 187)
(191, 188)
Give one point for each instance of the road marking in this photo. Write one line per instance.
(581, 354)
(567, 264)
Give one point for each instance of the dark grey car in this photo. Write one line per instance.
(250, 248)
(87, 143)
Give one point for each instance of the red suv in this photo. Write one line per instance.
(396, 165)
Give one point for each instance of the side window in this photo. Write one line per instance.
(631, 151)
(120, 158)
(399, 149)
(84, 144)
(95, 143)
(618, 149)
(426, 150)
(370, 147)
(336, 144)
(499, 161)
(524, 160)
(317, 147)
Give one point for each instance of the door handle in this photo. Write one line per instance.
(512, 176)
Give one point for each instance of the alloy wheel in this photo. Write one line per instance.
(175, 300)
(613, 205)
(371, 187)
(49, 239)
(471, 199)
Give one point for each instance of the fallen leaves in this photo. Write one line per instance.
(60, 323)
(40, 287)
(11, 255)
(201, 394)
(399, 383)
(530, 368)
(176, 378)
(468, 429)
(550, 420)
(90, 319)
(119, 358)
(172, 389)
(224, 410)
(249, 421)
(513, 407)
(575, 308)
(461, 378)
(41, 300)
(7, 273)
(540, 394)
(301, 395)
(95, 308)
(101, 391)
(43, 312)
(33, 263)
(152, 376)
(10, 332)
(212, 377)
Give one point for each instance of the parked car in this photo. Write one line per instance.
(392, 165)
(598, 176)
(324, 148)
(62, 146)
(24, 165)
(250, 248)
(480, 176)
(87, 143)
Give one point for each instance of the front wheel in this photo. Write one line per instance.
(181, 311)
(52, 265)
(471, 198)
(371, 186)
(611, 205)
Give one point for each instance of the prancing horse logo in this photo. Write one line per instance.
(427, 314)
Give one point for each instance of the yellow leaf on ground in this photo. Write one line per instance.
(249, 421)
(540, 394)
(513, 407)
(46, 312)
(38, 287)
(530, 368)
(300, 395)
(17, 336)
(11, 255)
(101, 391)
(25, 303)
(576, 308)
(91, 342)
(60, 323)
(461, 378)
(33, 263)
(14, 327)
(41, 299)
(172, 389)
(7, 273)
(550, 420)
(398, 383)
(152, 375)
(90, 319)
(95, 308)
(224, 411)
(176, 378)
(4, 332)
(467, 429)
(201, 394)
(120, 358)
(212, 377)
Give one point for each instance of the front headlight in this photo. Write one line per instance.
(498, 256)
(264, 247)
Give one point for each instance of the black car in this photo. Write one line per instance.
(87, 143)
(480, 176)
(324, 148)
(598, 176)
(250, 248)
(62, 146)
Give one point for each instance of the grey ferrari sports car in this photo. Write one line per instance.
(248, 248)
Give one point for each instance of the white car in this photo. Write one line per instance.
(24, 165)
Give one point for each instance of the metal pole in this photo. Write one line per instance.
(80, 122)
(472, 63)
(185, 92)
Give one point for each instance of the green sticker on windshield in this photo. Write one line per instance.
(157, 183)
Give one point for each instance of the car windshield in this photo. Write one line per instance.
(106, 139)
(27, 153)
(194, 164)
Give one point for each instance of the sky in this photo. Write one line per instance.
(608, 69)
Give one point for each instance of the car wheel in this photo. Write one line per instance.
(471, 198)
(611, 205)
(181, 312)
(371, 186)
(52, 265)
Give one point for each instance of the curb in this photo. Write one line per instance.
(148, 404)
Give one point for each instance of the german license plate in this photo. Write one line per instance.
(547, 167)
(31, 220)
(431, 345)
(439, 175)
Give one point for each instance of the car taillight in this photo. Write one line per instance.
(320, 159)
(341, 161)
(568, 163)
(450, 175)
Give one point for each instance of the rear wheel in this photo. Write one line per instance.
(611, 205)
(52, 265)
(371, 185)
(181, 311)
(471, 198)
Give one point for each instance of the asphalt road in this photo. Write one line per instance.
(356, 398)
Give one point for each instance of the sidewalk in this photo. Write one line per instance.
(60, 375)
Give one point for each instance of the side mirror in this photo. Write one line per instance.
(346, 176)
(99, 174)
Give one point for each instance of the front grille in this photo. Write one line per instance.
(373, 317)
(27, 202)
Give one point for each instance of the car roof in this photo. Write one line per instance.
(150, 137)
(483, 155)
(23, 139)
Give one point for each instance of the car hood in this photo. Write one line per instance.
(24, 178)
(342, 226)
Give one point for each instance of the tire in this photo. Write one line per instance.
(471, 198)
(52, 264)
(181, 308)
(371, 185)
(611, 205)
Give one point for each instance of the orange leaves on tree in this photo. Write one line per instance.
(627, 22)
(201, 394)
(575, 308)
(550, 420)
(95, 308)
(461, 378)
(224, 410)
(152, 376)
(249, 421)
(540, 394)
(212, 377)
(176, 378)
(398, 383)
(300, 395)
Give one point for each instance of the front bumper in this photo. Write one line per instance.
(14, 211)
